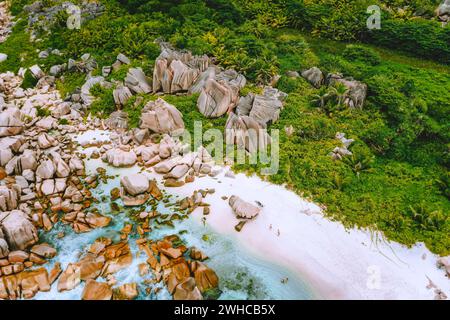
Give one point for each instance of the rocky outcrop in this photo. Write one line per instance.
(245, 132)
(19, 232)
(356, 90)
(341, 151)
(46, 141)
(43, 18)
(137, 82)
(314, 76)
(118, 157)
(5, 21)
(243, 209)
(117, 120)
(25, 284)
(176, 71)
(46, 170)
(121, 60)
(161, 117)
(205, 277)
(10, 123)
(70, 278)
(187, 290)
(37, 72)
(265, 108)
(135, 184)
(443, 11)
(85, 93)
(94, 290)
(137, 189)
(220, 93)
(9, 197)
(27, 160)
(127, 291)
(4, 248)
(5, 156)
(121, 94)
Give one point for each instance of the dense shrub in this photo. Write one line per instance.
(361, 53)
(418, 37)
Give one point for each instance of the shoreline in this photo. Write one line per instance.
(335, 262)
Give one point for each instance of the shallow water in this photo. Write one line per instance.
(242, 275)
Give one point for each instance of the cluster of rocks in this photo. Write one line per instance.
(219, 92)
(136, 189)
(177, 71)
(341, 151)
(185, 279)
(44, 54)
(168, 157)
(41, 176)
(247, 128)
(443, 12)
(161, 117)
(356, 90)
(42, 18)
(180, 71)
(5, 22)
(195, 201)
(15, 281)
(102, 259)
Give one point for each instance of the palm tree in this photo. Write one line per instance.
(339, 90)
(322, 96)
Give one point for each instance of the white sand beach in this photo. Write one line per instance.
(337, 263)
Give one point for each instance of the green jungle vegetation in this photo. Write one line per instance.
(397, 180)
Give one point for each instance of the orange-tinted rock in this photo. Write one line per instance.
(205, 278)
(116, 264)
(17, 256)
(37, 259)
(173, 253)
(96, 220)
(44, 250)
(55, 272)
(34, 281)
(197, 254)
(187, 290)
(117, 250)
(154, 190)
(126, 291)
(96, 291)
(90, 266)
(70, 278)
